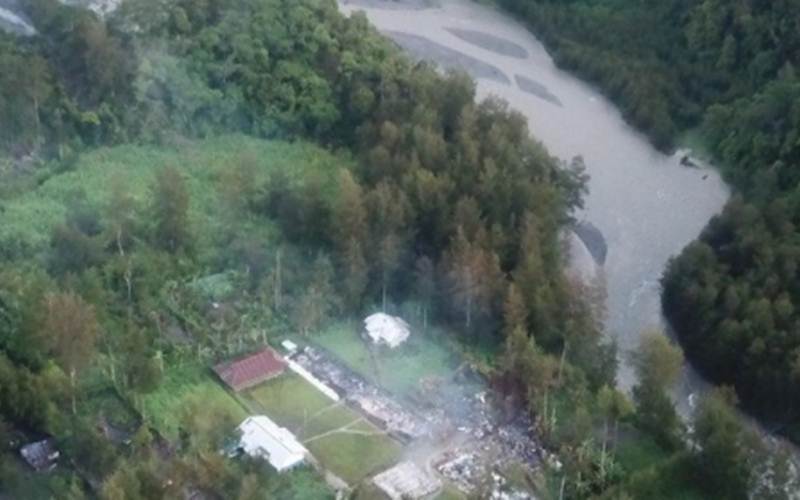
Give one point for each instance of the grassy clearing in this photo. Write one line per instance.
(353, 456)
(293, 403)
(181, 385)
(399, 370)
(27, 219)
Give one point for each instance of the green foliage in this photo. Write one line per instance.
(723, 448)
(725, 69)
(732, 296)
(29, 218)
(164, 408)
(401, 370)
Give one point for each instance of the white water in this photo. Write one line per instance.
(16, 21)
(645, 203)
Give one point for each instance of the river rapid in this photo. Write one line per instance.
(647, 205)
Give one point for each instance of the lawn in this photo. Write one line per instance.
(181, 386)
(293, 403)
(353, 457)
(398, 370)
(351, 453)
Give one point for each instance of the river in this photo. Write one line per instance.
(646, 204)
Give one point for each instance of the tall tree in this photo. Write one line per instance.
(657, 359)
(71, 325)
(723, 448)
(350, 231)
(658, 364)
(389, 213)
(170, 208)
(515, 314)
(474, 276)
(425, 286)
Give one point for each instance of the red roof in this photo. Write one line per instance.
(251, 370)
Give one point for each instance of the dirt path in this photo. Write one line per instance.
(345, 429)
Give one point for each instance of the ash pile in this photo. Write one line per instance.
(375, 404)
(471, 411)
(492, 443)
(474, 471)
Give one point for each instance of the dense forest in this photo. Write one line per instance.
(188, 180)
(724, 71)
(126, 205)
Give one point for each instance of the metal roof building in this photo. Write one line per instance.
(263, 438)
(251, 370)
(386, 329)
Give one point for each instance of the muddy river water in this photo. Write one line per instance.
(646, 204)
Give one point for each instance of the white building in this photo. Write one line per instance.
(263, 438)
(386, 329)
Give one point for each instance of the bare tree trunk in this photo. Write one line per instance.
(561, 362)
(561, 489)
(544, 412)
(469, 310)
(277, 285)
(603, 450)
(72, 384)
(36, 118)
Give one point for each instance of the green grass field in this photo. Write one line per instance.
(181, 385)
(293, 403)
(336, 435)
(399, 370)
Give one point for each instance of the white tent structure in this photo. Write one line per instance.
(263, 438)
(386, 329)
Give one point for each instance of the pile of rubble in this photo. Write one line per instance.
(374, 403)
(472, 471)
(464, 470)
(481, 443)
(407, 481)
(473, 414)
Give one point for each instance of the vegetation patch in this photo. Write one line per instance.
(28, 219)
(181, 388)
(293, 403)
(401, 370)
(356, 456)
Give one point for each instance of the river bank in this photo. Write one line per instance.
(645, 204)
